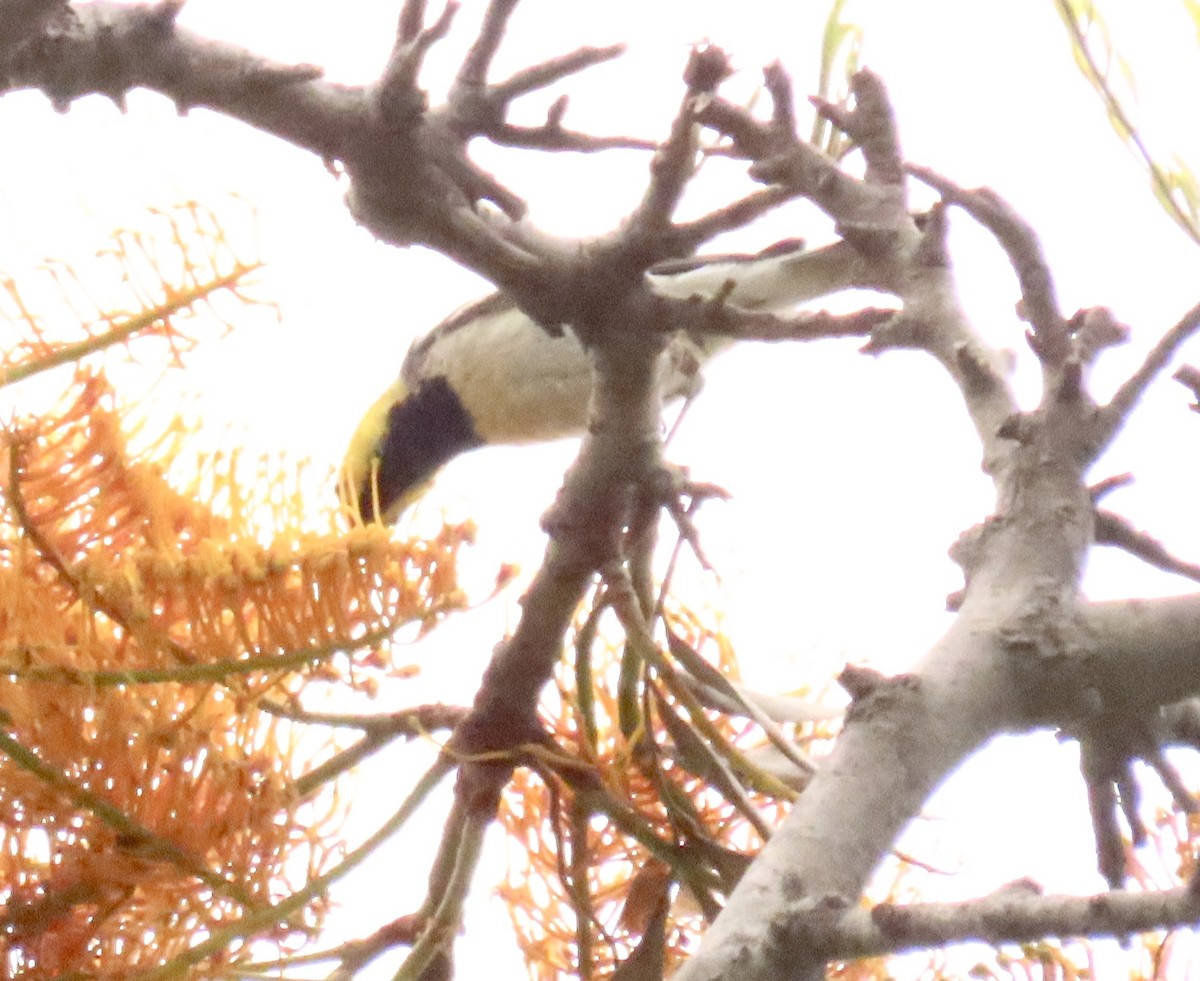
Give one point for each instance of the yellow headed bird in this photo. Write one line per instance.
(490, 375)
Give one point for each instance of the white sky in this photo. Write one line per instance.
(851, 476)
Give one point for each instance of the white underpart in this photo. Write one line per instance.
(520, 384)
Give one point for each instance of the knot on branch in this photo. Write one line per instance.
(597, 532)
(804, 924)
(670, 489)
(1095, 328)
(900, 331)
(967, 553)
(933, 251)
(870, 689)
(707, 67)
(1189, 376)
(1021, 427)
(871, 125)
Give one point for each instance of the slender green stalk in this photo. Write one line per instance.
(444, 923)
(126, 827)
(213, 671)
(70, 353)
(1162, 181)
(585, 692)
(339, 763)
(252, 923)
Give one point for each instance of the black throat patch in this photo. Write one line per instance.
(424, 431)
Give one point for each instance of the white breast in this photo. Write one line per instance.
(521, 384)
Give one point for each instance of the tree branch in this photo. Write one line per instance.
(1012, 915)
(1114, 414)
(1113, 529)
(23, 21)
(554, 69)
(1146, 649)
(722, 320)
(476, 65)
(114, 47)
(1049, 338)
(399, 94)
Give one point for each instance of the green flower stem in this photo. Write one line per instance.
(264, 919)
(137, 835)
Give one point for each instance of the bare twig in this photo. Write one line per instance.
(1112, 529)
(869, 213)
(778, 84)
(399, 96)
(1102, 488)
(1009, 916)
(446, 916)
(728, 321)
(1189, 376)
(675, 161)
(478, 109)
(478, 61)
(415, 721)
(691, 235)
(751, 139)
(412, 20)
(553, 137)
(1127, 396)
(871, 125)
(553, 69)
(1049, 337)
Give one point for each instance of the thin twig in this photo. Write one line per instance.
(726, 320)
(412, 20)
(1113, 529)
(693, 234)
(478, 61)
(1127, 396)
(414, 721)
(441, 927)
(220, 940)
(675, 163)
(552, 69)
(399, 96)
(1039, 304)
(552, 138)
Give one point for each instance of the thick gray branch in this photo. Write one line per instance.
(113, 48)
(1146, 649)
(21, 21)
(1013, 915)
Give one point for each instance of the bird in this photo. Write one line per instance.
(490, 375)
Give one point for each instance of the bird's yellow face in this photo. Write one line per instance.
(358, 482)
(402, 441)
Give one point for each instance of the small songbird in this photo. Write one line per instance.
(488, 374)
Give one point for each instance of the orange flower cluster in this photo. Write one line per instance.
(146, 798)
(582, 885)
(146, 284)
